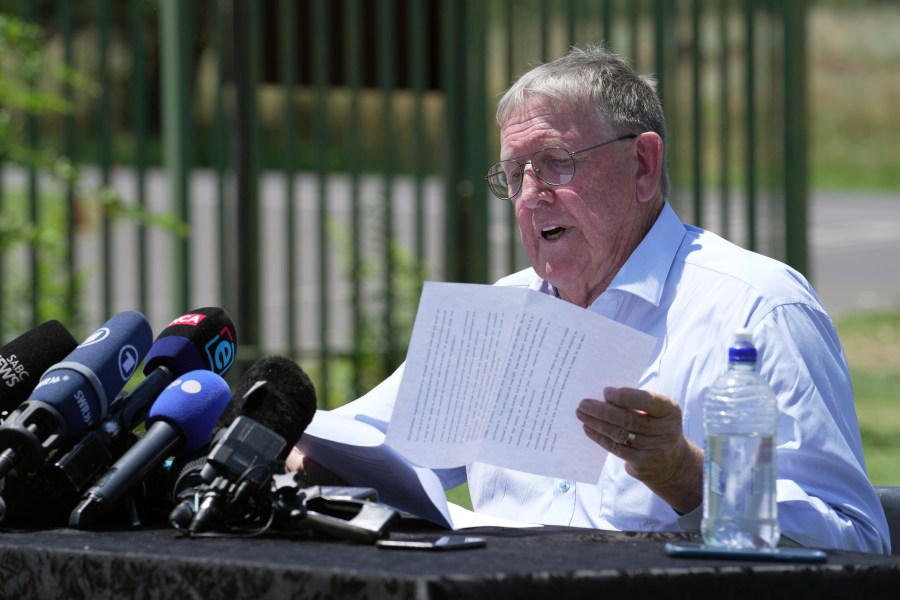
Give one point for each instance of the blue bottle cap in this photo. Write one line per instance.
(742, 349)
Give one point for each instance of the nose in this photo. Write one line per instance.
(534, 189)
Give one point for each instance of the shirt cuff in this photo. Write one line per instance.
(691, 521)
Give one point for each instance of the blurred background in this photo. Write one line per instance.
(307, 164)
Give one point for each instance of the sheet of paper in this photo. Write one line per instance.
(356, 452)
(494, 374)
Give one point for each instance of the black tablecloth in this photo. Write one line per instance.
(548, 563)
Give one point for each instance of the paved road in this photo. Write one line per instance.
(855, 251)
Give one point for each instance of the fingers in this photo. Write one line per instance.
(310, 471)
(629, 420)
(641, 401)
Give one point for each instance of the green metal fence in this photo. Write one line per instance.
(328, 155)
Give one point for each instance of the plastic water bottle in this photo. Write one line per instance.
(740, 419)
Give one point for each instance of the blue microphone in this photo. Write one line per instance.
(202, 339)
(73, 396)
(180, 421)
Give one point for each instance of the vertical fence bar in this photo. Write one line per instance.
(417, 77)
(34, 209)
(287, 44)
(634, 12)
(104, 148)
(71, 299)
(608, 23)
(750, 120)
(245, 63)
(139, 116)
(173, 41)
(454, 38)
(476, 162)
(570, 19)
(544, 29)
(353, 29)
(697, 113)
(509, 74)
(725, 121)
(321, 66)
(771, 120)
(795, 136)
(387, 76)
(220, 152)
(659, 47)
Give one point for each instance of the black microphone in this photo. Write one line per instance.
(203, 339)
(73, 396)
(276, 393)
(180, 420)
(24, 360)
(272, 405)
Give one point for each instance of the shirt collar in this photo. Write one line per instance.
(644, 273)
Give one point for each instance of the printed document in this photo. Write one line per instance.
(494, 374)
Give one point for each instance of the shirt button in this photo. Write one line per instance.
(565, 486)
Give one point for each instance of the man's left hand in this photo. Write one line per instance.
(645, 430)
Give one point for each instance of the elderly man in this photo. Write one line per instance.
(583, 142)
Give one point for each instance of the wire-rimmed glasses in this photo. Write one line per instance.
(554, 166)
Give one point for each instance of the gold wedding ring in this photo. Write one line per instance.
(629, 440)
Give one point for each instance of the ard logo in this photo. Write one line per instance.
(128, 361)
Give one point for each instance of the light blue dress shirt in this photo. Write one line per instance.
(691, 289)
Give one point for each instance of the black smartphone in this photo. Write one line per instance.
(694, 550)
(444, 542)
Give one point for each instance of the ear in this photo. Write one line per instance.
(649, 147)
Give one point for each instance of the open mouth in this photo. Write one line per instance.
(552, 233)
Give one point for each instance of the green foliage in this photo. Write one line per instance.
(37, 283)
(872, 344)
(408, 276)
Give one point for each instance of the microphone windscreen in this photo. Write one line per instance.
(192, 404)
(81, 386)
(204, 338)
(24, 360)
(276, 393)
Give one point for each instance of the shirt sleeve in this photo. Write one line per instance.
(376, 407)
(824, 494)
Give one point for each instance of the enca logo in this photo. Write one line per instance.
(220, 351)
(190, 319)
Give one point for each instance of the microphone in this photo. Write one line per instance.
(26, 358)
(203, 339)
(272, 405)
(277, 394)
(72, 396)
(180, 420)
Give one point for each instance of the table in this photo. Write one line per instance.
(548, 563)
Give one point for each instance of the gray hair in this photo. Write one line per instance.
(593, 77)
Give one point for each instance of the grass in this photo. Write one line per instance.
(872, 343)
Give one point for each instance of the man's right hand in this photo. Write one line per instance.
(310, 471)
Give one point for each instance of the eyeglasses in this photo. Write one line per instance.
(554, 166)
